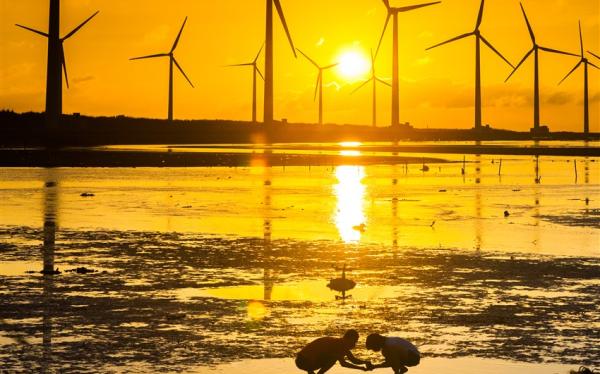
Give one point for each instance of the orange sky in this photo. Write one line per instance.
(436, 89)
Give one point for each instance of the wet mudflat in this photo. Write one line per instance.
(226, 269)
(154, 306)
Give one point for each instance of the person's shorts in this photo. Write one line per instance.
(303, 364)
(412, 359)
(409, 359)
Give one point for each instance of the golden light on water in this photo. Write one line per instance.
(257, 310)
(350, 193)
(350, 144)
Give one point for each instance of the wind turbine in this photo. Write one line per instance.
(255, 72)
(172, 61)
(593, 54)
(536, 90)
(393, 13)
(478, 39)
(585, 62)
(56, 61)
(319, 85)
(268, 102)
(374, 78)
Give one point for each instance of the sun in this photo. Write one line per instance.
(353, 65)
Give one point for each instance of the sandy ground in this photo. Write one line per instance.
(428, 366)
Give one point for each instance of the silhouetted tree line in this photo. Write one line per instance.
(27, 129)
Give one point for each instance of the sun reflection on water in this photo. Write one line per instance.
(350, 193)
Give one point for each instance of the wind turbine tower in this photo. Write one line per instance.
(393, 13)
(585, 62)
(319, 85)
(268, 102)
(56, 62)
(536, 130)
(374, 79)
(172, 61)
(478, 39)
(255, 73)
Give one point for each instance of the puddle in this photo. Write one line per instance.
(312, 290)
(19, 268)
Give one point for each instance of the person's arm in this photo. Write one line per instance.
(382, 365)
(346, 364)
(355, 360)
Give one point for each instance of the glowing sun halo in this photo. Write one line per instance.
(353, 65)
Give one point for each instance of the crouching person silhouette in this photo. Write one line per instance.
(323, 353)
(398, 353)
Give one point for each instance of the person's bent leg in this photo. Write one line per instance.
(303, 364)
(326, 366)
(396, 364)
(411, 359)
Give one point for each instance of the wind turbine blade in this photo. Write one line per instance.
(387, 4)
(237, 65)
(330, 66)
(259, 52)
(528, 24)
(80, 26)
(32, 30)
(384, 82)
(580, 38)
(413, 7)
(309, 59)
(589, 63)
(451, 40)
(319, 77)
(63, 62)
(182, 72)
(495, 50)
(480, 17)
(519, 65)
(571, 72)
(151, 56)
(259, 73)
(387, 21)
(361, 86)
(179, 35)
(557, 51)
(593, 54)
(285, 26)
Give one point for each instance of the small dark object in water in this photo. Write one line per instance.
(361, 228)
(342, 285)
(506, 213)
(87, 194)
(443, 190)
(81, 270)
(50, 184)
(516, 190)
(186, 207)
(50, 272)
(425, 168)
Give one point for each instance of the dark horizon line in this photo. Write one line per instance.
(284, 121)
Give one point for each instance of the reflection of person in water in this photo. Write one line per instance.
(323, 353)
(398, 353)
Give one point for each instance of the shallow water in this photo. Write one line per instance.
(398, 205)
(201, 268)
